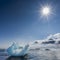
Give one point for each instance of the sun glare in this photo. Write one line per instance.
(46, 11)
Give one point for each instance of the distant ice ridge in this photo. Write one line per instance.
(51, 38)
(52, 41)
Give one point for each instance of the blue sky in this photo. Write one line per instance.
(20, 20)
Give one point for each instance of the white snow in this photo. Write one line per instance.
(39, 51)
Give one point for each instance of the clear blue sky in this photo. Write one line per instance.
(20, 20)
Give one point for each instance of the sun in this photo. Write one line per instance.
(46, 11)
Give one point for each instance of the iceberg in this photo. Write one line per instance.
(16, 50)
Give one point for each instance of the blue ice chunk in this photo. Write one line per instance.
(16, 50)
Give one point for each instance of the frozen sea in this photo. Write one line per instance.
(35, 54)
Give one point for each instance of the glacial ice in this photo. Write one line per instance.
(16, 50)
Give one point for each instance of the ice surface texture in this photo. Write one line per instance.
(16, 50)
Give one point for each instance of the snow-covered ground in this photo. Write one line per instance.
(45, 54)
